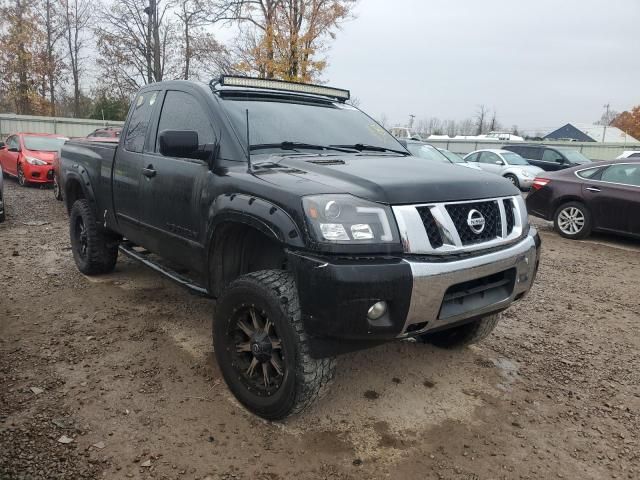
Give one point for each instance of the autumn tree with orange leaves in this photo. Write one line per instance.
(286, 39)
(629, 122)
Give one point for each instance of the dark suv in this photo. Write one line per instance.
(549, 158)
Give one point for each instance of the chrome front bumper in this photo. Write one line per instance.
(431, 280)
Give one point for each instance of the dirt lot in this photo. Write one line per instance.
(122, 366)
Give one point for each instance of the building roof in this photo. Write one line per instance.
(598, 133)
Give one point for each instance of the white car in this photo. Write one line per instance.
(629, 154)
(431, 153)
(508, 164)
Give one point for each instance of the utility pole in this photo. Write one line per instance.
(606, 121)
(411, 117)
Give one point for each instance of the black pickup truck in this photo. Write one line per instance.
(315, 230)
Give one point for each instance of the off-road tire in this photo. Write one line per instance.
(57, 192)
(463, 335)
(3, 216)
(513, 179)
(100, 251)
(586, 228)
(305, 379)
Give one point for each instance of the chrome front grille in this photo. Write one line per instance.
(452, 227)
(459, 213)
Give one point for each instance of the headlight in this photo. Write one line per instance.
(35, 161)
(346, 219)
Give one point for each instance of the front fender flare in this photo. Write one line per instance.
(255, 212)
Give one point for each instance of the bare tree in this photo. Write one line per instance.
(134, 43)
(49, 18)
(76, 17)
(481, 119)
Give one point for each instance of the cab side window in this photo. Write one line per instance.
(472, 158)
(139, 121)
(181, 111)
(552, 156)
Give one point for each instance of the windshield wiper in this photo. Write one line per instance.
(372, 148)
(299, 145)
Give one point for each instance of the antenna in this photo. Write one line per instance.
(248, 143)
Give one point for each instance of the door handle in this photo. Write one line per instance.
(149, 172)
(593, 189)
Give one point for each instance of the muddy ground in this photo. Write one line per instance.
(122, 366)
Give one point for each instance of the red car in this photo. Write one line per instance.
(30, 156)
(106, 132)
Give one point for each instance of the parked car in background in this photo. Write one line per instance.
(106, 132)
(457, 159)
(2, 214)
(429, 152)
(603, 196)
(549, 158)
(507, 164)
(30, 156)
(629, 154)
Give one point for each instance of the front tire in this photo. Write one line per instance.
(93, 250)
(463, 335)
(513, 179)
(22, 181)
(57, 193)
(262, 348)
(572, 220)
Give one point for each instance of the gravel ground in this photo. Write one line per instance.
(121, 368)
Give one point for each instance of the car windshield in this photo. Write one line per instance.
(455, 158)
(513, 158)
(44, 144)
(574, 156)
(313, 123)
(428, 152)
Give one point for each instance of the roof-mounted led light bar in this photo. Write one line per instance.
(250, 82)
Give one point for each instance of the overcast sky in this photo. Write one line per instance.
(539, 63)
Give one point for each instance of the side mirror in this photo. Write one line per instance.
(2, 145)
(178, 143)
(13, 149)
(499, 162)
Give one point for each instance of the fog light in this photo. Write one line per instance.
(377, 310)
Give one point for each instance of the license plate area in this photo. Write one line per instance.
(477, 294)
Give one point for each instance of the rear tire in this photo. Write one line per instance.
(463, 335)
(262, 348)
(513, 179)
(94, 251)
(572, 220)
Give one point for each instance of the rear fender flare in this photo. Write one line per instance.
(80, 177)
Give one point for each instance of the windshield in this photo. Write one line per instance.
(574, 156)
(513, 158)
(428, 152)
(455, 158)
(275, 122)
(45, 144)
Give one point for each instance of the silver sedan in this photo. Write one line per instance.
(507, 164)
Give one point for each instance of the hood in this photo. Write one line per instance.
(395, 180)
(40, 155)
(532, 169)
